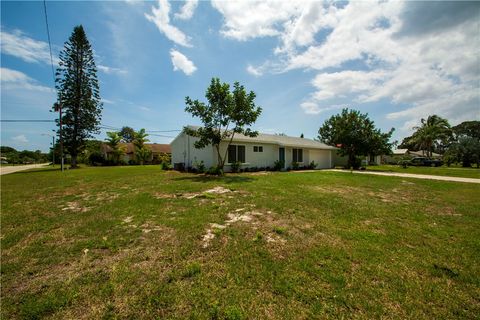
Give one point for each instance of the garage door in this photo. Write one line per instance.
(321, 158)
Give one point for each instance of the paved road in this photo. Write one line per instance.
(12, 169)
(411, 175)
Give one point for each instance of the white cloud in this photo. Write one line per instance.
(187, 10)
(244, 20)
(143, 108)
(310, 107)
(18, 44)
(21, 139)
(107, 101)
(181, 62)
(13, 79)
(160, 17)
(111, 70)
(254, 71)
(361, 52)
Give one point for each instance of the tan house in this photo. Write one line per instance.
(156, 148)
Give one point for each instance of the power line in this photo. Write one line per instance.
(102, 127)
(27, 120)
(49, 42)
(163, 130)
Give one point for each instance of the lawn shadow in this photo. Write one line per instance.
(207, 178)
(46, 169)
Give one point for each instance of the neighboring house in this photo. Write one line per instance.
(261, 151)
(156, 148)
(399, 154)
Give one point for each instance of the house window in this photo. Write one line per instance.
(297, 155)
(236, 153)
(257, 148)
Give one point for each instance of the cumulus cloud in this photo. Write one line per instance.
(187, 10)
(13, 79)
(181, 62)
(21, 139)
(160, 17)
(420, 56)
(245, 20)
(254, 71)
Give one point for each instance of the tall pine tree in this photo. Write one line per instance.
(78, 93)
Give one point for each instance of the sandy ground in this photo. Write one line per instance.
(12, 169)
(411, 175)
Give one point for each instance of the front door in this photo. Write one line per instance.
(281, 155)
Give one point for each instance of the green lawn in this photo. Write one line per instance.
(437, 171)
(136, 242)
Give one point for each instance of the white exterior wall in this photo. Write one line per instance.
(254, 159)
(183, 151)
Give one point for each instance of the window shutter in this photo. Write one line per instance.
(294, 151)
(300, 155)
(232, 153)
(241, 154)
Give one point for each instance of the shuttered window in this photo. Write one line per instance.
(232, 153)
(241, 154)
(236, 153)
(297, 155)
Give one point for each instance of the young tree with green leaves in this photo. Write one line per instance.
(78, 93)
(355, 134)
(226, 113)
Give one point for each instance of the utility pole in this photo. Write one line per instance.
(58, 107)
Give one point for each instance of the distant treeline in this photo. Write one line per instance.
(13, 156)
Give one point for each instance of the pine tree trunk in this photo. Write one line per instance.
(74, 162)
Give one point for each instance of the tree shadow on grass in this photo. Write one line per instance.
(224, 179)
(34, 170)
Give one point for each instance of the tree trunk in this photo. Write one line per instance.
(220, 161)
(351, 161)
(74, 162)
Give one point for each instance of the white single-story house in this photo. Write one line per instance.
(261, 151)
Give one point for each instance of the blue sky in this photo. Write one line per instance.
(398, 61)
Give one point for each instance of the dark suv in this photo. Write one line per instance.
(422, 161)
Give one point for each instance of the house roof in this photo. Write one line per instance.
(400, 151)
(419, 153)
(130, 148)
(284, 141)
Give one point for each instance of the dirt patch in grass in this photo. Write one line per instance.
(388, 196)
(75, 206)
(233, 217)
(210, 193)
(443, 211)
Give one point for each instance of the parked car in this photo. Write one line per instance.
(425, 162)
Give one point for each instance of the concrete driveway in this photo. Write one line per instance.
(12, 169)
(411, 175)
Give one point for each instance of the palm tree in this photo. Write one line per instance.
(141, 152)
(431, 131)
(139, 139)
(113, 141)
